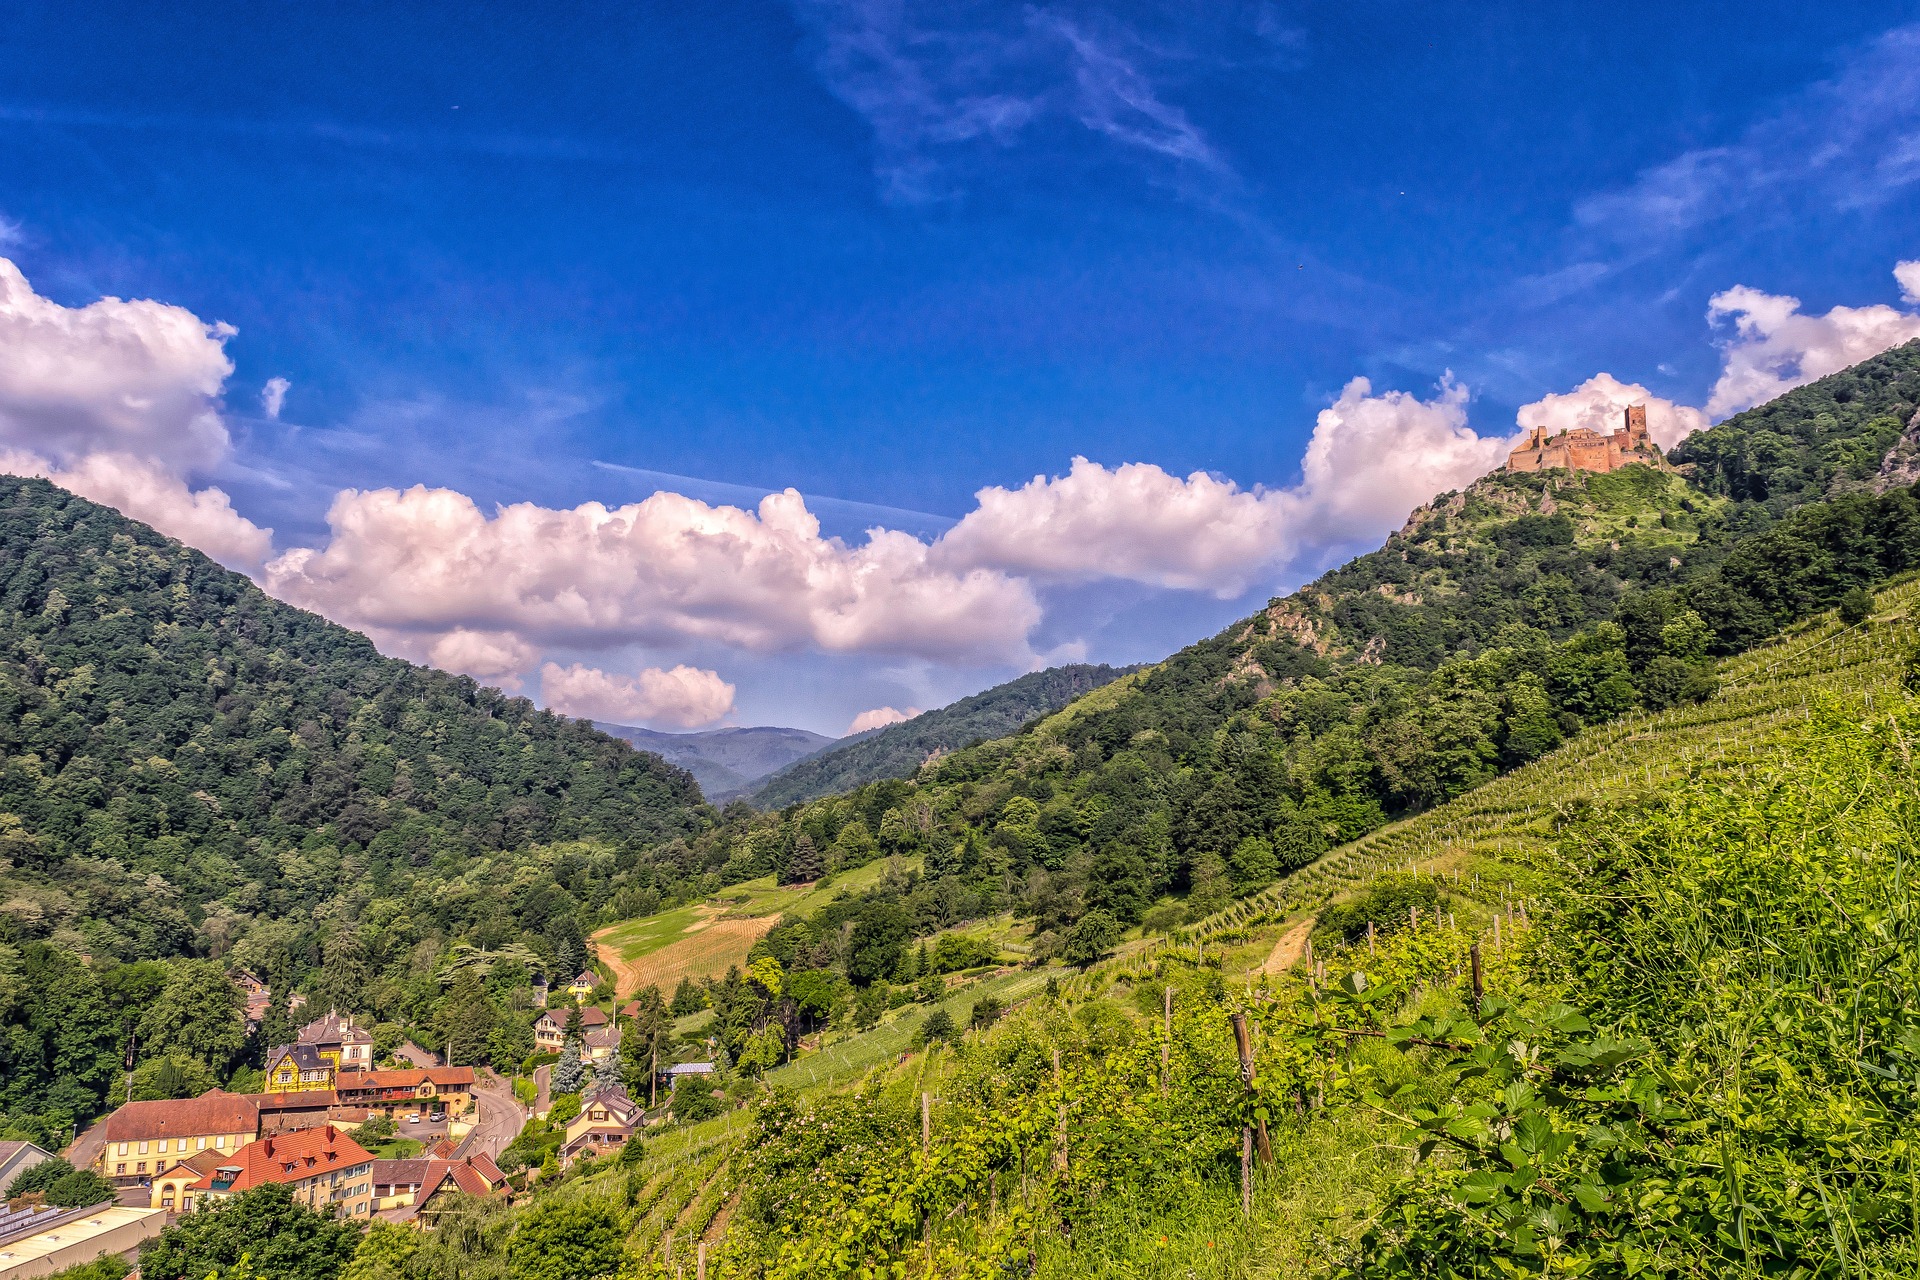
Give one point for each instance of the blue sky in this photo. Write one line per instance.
(891, 254)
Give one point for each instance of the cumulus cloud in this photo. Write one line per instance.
(273, 397)
(1597, 404)
(663, 571)
(1372, 459)
(880, 718)
(110, 377)
(682, 698)
(118, 401)
(1134, 521)
(1775, 348)
(1908, 274)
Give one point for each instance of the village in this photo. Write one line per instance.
(347, 1136)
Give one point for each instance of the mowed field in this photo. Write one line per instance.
(703, 939)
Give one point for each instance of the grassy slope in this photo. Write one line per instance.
(700, 940)
(1328, 1176)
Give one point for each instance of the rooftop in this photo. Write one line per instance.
(290, 1157)
(215, 1111)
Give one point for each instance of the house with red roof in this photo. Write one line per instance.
(326, 1169)
(407, 1089)
(142, 1138)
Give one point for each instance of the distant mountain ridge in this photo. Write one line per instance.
(897, 751)
(726, 762)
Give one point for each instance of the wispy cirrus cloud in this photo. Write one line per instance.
(941, 93)
(1847, 142)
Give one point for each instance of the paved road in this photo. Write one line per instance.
(499, 1119)
(416, 1055)
(87, 1147)
(543, 1084)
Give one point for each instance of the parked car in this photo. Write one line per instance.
(437, 1116)
(413, 1117)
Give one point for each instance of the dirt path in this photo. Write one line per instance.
(1292, 945)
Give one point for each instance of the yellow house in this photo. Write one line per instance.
(143, 1138)
(173, 1185)
(582, 987)
(296, 1068)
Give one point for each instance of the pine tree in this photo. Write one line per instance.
(806, 864)
(569, 1074)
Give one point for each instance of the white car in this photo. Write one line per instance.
(413, 1117)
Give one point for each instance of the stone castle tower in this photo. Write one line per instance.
(1584, 449)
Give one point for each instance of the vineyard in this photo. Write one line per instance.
(1642, 1007)
(1122, 1153)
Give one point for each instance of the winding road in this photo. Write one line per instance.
(498, 1117)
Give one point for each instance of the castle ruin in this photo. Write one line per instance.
(1584, 449)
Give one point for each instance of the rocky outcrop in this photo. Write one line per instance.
(1901, 467)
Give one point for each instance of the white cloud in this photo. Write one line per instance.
(879, 718)
(1775, 348)
(682, 698)
(110, 377)
(1134, 521)
(1597, 404)
(118, 401)
(941, 88)
(273, 397)
(1371, 460)
(1908, 274)
(664, 571)
(497, 658)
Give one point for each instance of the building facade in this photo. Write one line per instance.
(326, 1170)
(1584, 449)
(142, 1138)
(391, 1091)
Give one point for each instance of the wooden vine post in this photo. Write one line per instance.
(1479, 991)
(1166, 1043)
(700, 1262)
(1243, 1042)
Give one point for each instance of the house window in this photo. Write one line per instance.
(123, 1149)
(143, 1148)
(121, 1167)
(201, 1143)
(140, 1167)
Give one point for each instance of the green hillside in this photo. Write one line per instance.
(1498, 622)
(899, 750)
(189, 768)
(1704, 1070)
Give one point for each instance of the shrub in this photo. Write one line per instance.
(693, 1100)
(939, 1026)
(1385, 905)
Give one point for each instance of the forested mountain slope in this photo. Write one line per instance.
(1496, 623)
(898, 750)
(189, 768)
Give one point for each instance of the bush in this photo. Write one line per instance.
(1093, 935)
(956, 951)
(693, 1100)
(939, 1026)
(1856, 607)
(986, 1012)
(1385, 905)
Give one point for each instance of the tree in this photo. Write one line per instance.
(939, 1026)
(200, 1013)
(869, 1004)
(577, 1241)
(383, 1253)
(174, 1076)
(62, 1184)
(879, 937)
(1856, 606)
(931, 987)
(805, 865)
(693, 1100)
(687, 999)
(570, 1073)
(1254, 866)
(465, 1019)
(647, 1036)
(276, 1236)
(986, 1012)
(576, 1021)
(1091, 938)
